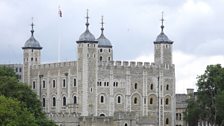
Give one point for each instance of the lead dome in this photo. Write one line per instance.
(32, 43)
(102, 40)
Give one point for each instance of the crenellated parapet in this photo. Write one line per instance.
(55, 65)
(127, 64)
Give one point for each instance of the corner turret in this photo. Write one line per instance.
(163, 48)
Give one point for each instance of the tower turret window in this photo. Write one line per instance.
(108, 58)
(101, 58)
(101, 50)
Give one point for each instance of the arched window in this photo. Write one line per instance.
(102, 99)
(34, 85)
(167, 87)
(101, 50)
(75, 100)
(118, 99)
(101, 58)
(64, 101)
(135, 100)
(43, 102)
(151, 86)
(167, 101)
(136, 85)
(151, 100)
(125, 124)
(54, 84)
(54, 101)
(102, 115)
(108, 58)
(167, 121)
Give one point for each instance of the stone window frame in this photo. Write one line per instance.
(119, 101)
(102, 99)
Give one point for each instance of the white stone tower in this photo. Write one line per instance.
(31, 55)
(104, 47)
(166, 79)
(87, 71)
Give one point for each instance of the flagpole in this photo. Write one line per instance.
(59, 33)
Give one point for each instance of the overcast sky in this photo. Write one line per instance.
(195, 26)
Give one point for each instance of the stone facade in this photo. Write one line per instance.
(97, 90)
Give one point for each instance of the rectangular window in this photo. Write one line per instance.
(44, 84)
(34, 85)
(63, 83)
(54, 84)
(74, 83)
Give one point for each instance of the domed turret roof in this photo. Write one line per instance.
(87, 36)
(32, 43)
(162, 38)
(102, 40)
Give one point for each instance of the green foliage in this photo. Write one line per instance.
(6, 71)
(12, 113)
(10, 87)
(209, 105)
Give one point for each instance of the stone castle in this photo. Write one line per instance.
(96, 90)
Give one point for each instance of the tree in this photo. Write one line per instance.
(12, 88)
(12, 113)
(210, 96)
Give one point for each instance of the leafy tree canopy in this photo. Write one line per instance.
(10, 87)
(209, 103)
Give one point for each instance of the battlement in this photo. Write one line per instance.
(55, 65)
(130, 64)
